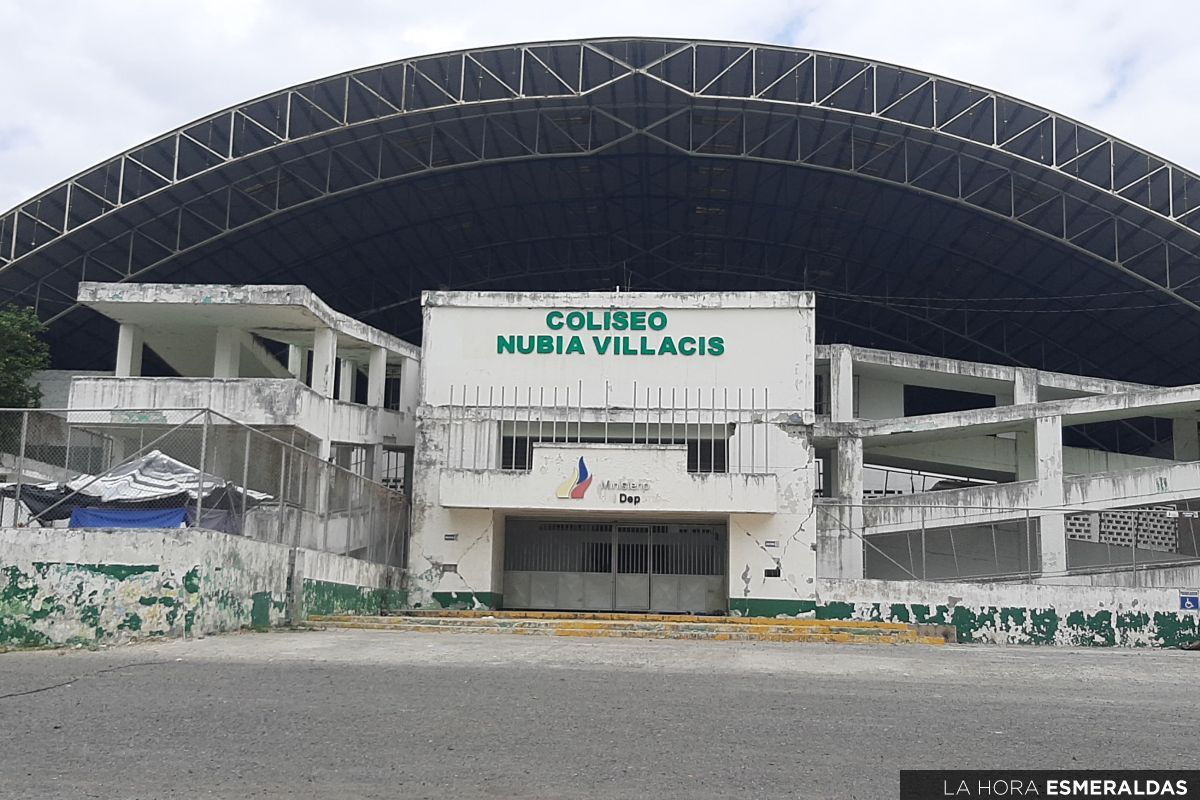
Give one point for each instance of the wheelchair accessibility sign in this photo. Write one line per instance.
(1189, 600)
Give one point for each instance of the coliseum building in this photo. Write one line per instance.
(639, 325)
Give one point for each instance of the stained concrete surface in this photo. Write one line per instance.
(350, 714)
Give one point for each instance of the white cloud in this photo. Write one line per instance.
(86, 80)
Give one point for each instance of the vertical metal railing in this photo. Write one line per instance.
(723, 430)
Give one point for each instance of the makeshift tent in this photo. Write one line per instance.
(154, 481)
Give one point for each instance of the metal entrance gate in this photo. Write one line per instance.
(615, 566)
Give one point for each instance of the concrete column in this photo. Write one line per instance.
(409, 457)
(1025, 391)
(375, 465)
(841, 384)
(376, 373)
(1026, 456)
(227, 358)
(349, 371)
(129, 351)
(1047, 436)
(839, 542)
(324, 353)
(1185, 435)
(295, 362)
(410, 385)
(828, 472)
(1025, 387)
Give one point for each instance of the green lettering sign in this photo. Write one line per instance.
(608, 344)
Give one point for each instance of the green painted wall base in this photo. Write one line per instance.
(46, 604)
(489, 601)
(1011, 625)
(325, 598)
(754, 607)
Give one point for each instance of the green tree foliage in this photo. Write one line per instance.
(22, 353)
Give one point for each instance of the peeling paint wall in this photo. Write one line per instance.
(86, 587)
(1076, 616)
(333, 584)
(785, 541)
(453, 552)
(61, 587)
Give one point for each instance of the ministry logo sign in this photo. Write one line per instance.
(576, 487)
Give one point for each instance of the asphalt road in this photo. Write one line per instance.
(346, 714)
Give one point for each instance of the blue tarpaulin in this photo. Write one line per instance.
(128, 517)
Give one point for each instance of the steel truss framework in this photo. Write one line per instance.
(506, 164)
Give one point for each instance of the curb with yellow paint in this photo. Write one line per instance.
(634, 626)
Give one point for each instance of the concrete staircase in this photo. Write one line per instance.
(641, 626)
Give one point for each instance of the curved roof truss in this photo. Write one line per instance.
(1006, 160)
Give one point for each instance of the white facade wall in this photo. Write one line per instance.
(739, 366)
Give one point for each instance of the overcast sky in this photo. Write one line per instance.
(86, 79)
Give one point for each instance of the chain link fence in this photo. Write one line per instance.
(195, 467)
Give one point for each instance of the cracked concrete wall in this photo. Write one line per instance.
(785, 541)
(104, 586)
(451, 559)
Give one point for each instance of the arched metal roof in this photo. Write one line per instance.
(930, 215)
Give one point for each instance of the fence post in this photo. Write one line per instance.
(389, 541)
(245, 482)
(21, 443)
(1028, 549)
(923, 547)
(326, 477)
(67, 452)
(203, 455)
(370, 526)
